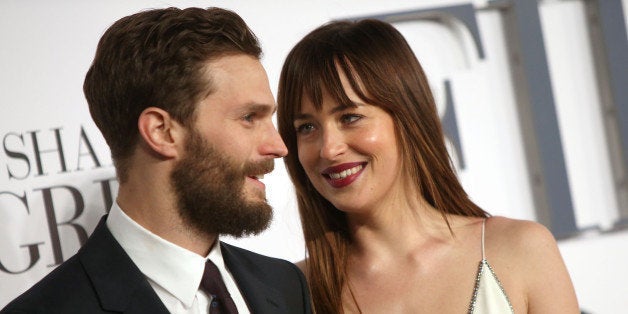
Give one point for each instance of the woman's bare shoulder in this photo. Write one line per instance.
(523, 248)
(519, 236)
(529, 258)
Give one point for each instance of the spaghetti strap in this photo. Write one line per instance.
(483, 227)
(488, 296)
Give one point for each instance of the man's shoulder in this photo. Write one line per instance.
(71, 287)
(267, 269)
(63, 290)
(255, 259)
(278, 278)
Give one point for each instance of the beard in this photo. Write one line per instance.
(209, 189)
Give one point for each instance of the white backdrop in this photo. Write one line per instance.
(46, 48)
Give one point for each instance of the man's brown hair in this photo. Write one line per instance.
(158, 58)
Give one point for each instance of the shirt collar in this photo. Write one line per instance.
(177, 270)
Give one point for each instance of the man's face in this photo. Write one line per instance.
(232, 144)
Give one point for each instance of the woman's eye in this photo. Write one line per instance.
(305, 128)
(350, 118)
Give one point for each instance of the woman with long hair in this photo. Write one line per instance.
(388, 226)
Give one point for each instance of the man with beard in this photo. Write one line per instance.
(185, 106)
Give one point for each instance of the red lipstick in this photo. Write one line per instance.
(344, 174)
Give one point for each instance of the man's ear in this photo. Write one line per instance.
(161, 132)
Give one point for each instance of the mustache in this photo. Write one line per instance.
(260, 167)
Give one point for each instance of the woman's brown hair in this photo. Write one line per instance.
(384, 72)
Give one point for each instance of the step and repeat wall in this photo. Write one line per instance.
(532, 95)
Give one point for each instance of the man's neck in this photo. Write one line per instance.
(159, 214)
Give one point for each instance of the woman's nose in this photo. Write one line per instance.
(333, 144)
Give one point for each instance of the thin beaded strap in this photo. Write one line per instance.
(483, 227)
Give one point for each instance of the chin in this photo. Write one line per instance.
(255, 197)
(348, 208)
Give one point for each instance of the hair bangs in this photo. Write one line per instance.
(323, 80)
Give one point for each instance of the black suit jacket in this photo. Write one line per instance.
(102, 278)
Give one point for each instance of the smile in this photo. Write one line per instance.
(257, 177)
(344, 174)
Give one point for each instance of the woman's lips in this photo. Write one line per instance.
(342, 175)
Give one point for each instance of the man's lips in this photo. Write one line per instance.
(256, 181)
(257, 170)
(344, 174)
(257, 177)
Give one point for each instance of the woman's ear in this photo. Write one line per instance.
(161, 132)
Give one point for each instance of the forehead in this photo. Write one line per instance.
(330, 95)
(238, 80)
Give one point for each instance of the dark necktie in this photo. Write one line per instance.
(212, 283)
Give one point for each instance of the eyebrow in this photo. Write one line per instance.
(339, 108)
(262, 108)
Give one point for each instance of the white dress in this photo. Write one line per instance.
(489, 297)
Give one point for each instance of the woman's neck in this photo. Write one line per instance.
(396, 227)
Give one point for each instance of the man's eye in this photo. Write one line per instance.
(249, 117)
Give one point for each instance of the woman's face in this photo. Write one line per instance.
(349, 152)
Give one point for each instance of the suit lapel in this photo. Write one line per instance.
(119, 284)
(260, 297)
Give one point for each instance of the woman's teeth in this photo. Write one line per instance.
(345, 173)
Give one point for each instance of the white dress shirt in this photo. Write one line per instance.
(174, 272)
